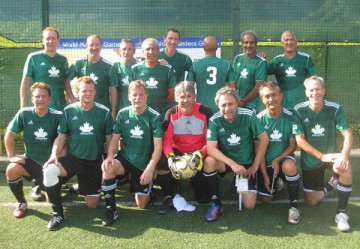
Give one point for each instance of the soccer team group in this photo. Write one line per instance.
(139, 118)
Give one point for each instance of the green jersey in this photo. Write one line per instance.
(86, 130)
(39, 132)
(280, 132)
(120, 77)
(291, 73)
(137, 133)
(180, 62)
(159, 80)
(99, 72)
(319, 129)
(247, 72)
(52, 70)
(210, 74)
(236, 139)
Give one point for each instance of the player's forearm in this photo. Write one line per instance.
(9, 142)
(288, 151)
(25, 85)
(114, 100)
(58, 146)
(156, 155)
(219, 156)
(308, 148)
(348, 141)
(253, 93)
(261, 149)
(68, 91)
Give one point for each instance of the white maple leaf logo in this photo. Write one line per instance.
(290, 71)
(136, 132)
(126, 80)
(318, 130)
(233, 139)
(94, 77)
(86, 128)
(276, 135)
(151, 83)
(40, 134)
(244, 73)
(53, 72)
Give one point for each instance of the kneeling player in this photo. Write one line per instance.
(39, 124)
(279, 160)
(139, 127)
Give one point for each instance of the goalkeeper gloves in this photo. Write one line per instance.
(196, 159)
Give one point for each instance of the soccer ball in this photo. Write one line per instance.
(183, 167)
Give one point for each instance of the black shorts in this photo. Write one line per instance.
(252, 182)
(262, 191)
(88, 172)
(136, 173)
(313, 179)
(34, 169)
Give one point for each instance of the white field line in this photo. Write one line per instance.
(157, 203)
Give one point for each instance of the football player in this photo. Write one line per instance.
(291, 69)
(210, 74)
(85, 126)
(139, 127)
(39, 125)
(250, 71)
(160, 79)
(231, 149)
(315, 125)
(180, 62)
(185, 128)
(279, 159)
(96, 67)
(50, 67)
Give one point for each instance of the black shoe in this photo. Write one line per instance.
(36, 194)
(110, 216)
(167, 204)
(55, 221)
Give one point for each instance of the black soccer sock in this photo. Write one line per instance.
(16, 187)
(109, 186)
(293, 189)
(213, 186)
(328, 188)
(344, 192)
(201, 192)
(167, 183)
(54, 195)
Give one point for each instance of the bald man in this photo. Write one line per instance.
(210, 74)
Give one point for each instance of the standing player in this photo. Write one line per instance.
(139, 127)
(96, 67)
(315, 125)
(121, 74)
(279, 159)
(85, 126)
(231, 149)
(160, 80)
(39, 124)
(180, 62)
(50, 67)
(210, 74)
(291, 69)
(250, 71)
(185, 128)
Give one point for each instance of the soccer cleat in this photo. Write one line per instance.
(36, 194)
(20, 210)
(167, 204)
(55, 221)
(333, 182)
(341, 220)
(213, 212)
(110, 217)
(294, 216)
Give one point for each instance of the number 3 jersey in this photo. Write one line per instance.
(210, 74)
